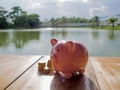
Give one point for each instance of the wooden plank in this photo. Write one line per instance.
(12, 66)
(107, 71)
(92, 83)
(34, 80)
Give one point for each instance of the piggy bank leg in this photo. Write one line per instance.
(67, 75)
(56, 71)
(81, 71)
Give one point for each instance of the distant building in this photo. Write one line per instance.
(65, 25)
(118, 19)
(73, 24)
(103, 21)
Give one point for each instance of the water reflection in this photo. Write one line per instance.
(22, 38)
(95, 35)
(81, 82)
(98, 42)
(62, 33)
(112, 35)
(4, 38)
(18, 38)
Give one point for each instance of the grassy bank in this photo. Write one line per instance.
(110, 28)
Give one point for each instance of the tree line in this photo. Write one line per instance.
(17, 18)
(94, 22)
(63, 20)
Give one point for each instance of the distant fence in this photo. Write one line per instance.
(65, 25)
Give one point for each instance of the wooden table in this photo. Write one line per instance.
(20, 72)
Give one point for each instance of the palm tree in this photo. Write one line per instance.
(112, 21)
(64, 20)
(95, 21)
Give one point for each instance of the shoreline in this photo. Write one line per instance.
(96, 27)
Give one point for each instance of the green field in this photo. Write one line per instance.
(110, 28)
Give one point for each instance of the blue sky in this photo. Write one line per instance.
(58, 8)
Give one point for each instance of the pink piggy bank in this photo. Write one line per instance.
(68, 57)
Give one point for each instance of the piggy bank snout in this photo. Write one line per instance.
(53, 54)
(53, 57)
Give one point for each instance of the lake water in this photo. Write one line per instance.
(37, 41)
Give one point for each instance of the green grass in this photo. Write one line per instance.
(110, 28)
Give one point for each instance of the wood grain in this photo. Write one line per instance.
(35, 80)
(107, 71)
(12, 66)
(21, 73)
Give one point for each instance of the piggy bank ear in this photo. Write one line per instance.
(70, 45)
(53, 41)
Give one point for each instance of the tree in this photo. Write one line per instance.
(33, 20)
(3, 18)
(96, 18)
(15, 15)
(18, 18)
(16, 11)
(21, 19)
(64, 19)
(3, 12)
(112, 21)
(52, 21)
(95, 21)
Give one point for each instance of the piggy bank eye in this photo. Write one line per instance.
(58, 50)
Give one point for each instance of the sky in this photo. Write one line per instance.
(70, 8)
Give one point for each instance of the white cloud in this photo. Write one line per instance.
(85, 1)
(98, 11)
(36, 5)
(57, 8)
(93, 11)
(63, 1)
